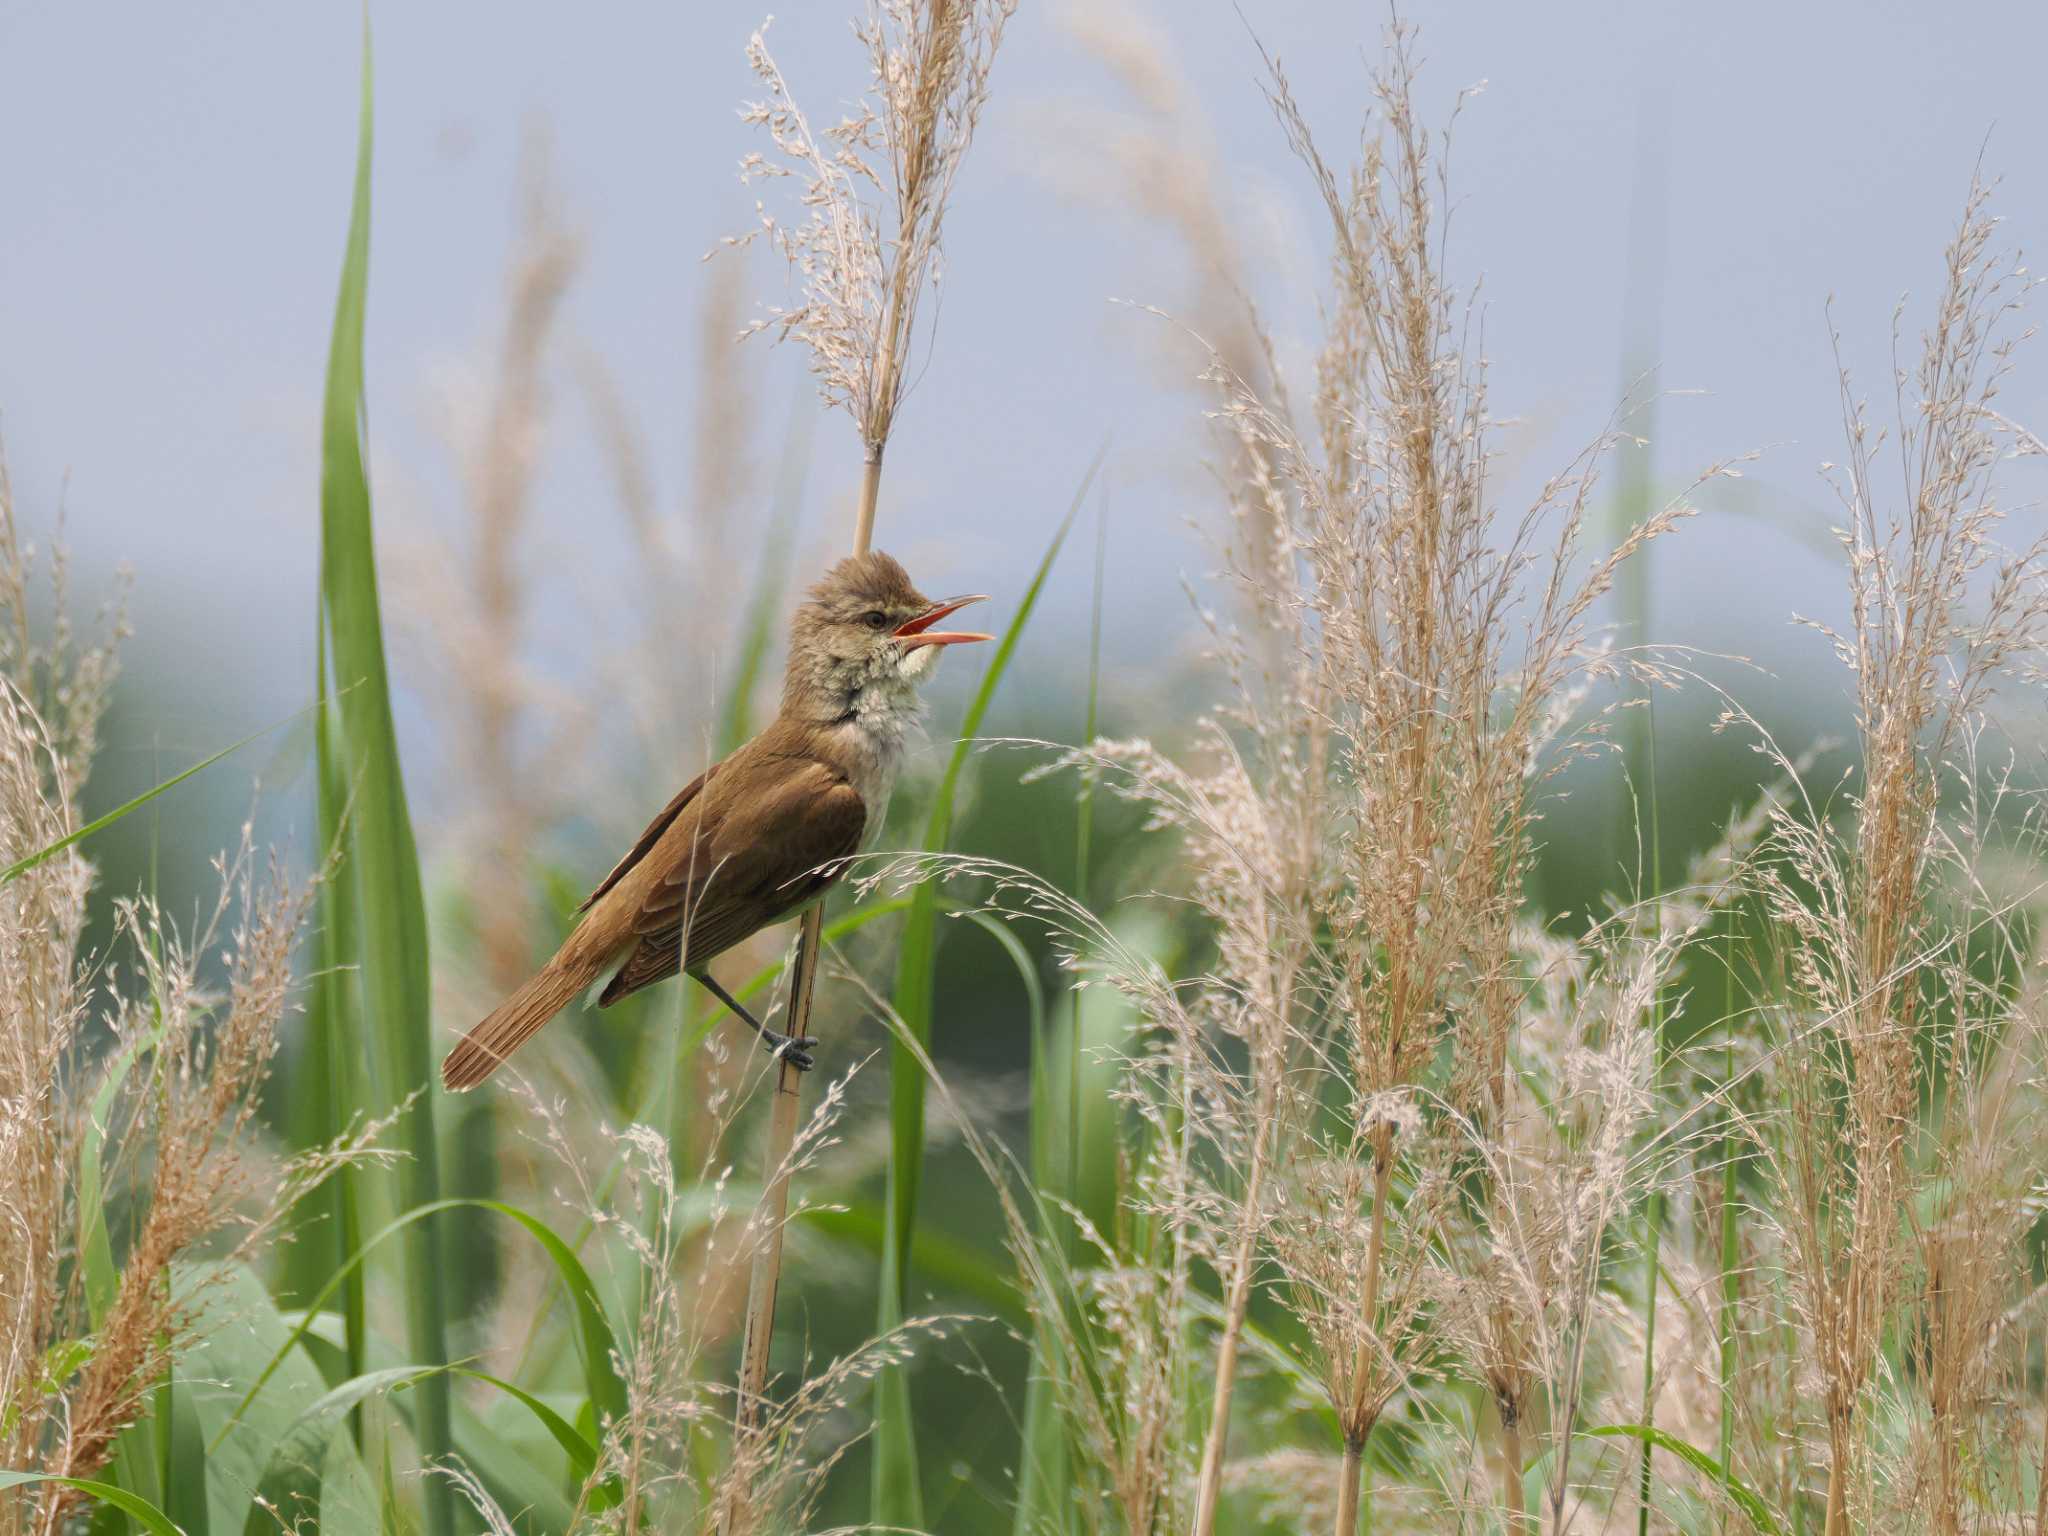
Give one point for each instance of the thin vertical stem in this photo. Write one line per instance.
(1837, 1523)
(2041, 1473)
(1082, 845)
(1511, 1470)
(1353, 1466)
(785, 1111)
(1382, 1189)
(1209, 1487)
(1653, 1208)
(1730, 1257)
(1641, 305)
(870, 492)
(1349, 1476)
(774, 1207)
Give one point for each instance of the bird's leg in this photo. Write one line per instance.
(794, 1049)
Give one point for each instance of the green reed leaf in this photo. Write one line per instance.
(897, 1501)
(379, 859)
(150, 1517)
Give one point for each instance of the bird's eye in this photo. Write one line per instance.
(874, 618)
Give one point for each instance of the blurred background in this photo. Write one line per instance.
(1637, 186)
(577, 465)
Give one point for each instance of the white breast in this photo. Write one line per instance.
(884, 719)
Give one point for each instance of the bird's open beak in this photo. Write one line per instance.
(919, 631)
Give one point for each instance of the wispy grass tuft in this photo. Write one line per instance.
(1901, 968)
(131, 1175)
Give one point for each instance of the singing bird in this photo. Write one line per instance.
(761, 834)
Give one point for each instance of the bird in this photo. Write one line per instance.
(762, 833)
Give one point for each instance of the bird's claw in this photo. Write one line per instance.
(794, 1049)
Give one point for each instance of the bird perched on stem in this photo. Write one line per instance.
(762, 834)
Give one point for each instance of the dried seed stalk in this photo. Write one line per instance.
(874, 192)
(1939, 611)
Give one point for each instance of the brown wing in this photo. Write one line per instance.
(661, 823)
(742, 867)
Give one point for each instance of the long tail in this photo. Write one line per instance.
(484, 1049)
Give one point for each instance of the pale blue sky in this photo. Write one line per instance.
(175, 182)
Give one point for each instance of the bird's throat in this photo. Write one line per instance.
(866, 741)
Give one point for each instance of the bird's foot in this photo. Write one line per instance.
(794, 1049)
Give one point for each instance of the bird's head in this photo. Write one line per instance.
(865, 636)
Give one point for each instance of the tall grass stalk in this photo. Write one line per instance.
(1940, 615)
(1640, 320)
(864, 265)
(1730, 1254)
(1044, 1474)
(1652, 1238)
(1360, 845)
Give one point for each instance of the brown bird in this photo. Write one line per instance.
(762, 834)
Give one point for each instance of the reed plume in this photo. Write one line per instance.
(1435, 663)
(1940, 613)
(873, 193)
(93, 1316)
(1356, 821)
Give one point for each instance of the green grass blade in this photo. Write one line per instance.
(1101, 1026)
(1044, 1473)
(596, 1342)
(512, 1476)
(304, 1458)
(381, 860)
(897, 1499)
(764, 607)
(140, 1509)
(293, 1480)
(348, 1497)
(23, 865)
(1727, 1316)
(95, 1251)
(327, 1078)
(581, 1453)
(184, 1468)
(237, 1334)
(1754, 1509)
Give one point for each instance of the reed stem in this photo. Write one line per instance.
(785, 1111)
(770, 1214)
(870, 491)
(1357, 1427)
(1209, 1487)
(1837, 1523)
(2041, 1473)
(1511, 1471)
(1731, 1251)
(1349, 1476)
